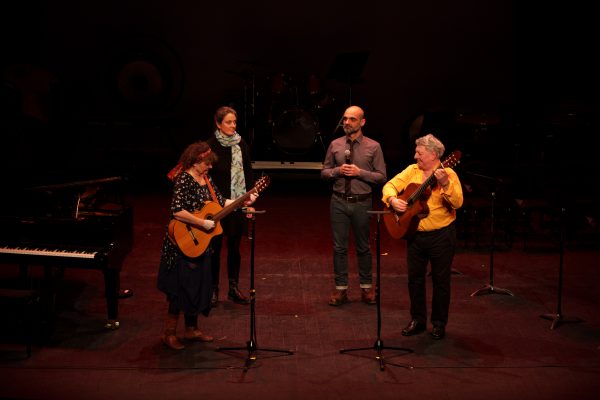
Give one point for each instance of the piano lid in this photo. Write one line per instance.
(68, 199)
(79, 184)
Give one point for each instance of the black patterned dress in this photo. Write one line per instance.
(187, 282)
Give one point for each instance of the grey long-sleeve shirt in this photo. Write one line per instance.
(367, 155)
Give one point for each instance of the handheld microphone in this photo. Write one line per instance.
(347, 154)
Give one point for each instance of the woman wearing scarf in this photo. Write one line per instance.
(233, 175)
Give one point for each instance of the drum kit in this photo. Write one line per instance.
(298, 114)
(292, 117)
(295, 116)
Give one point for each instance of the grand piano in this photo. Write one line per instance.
(80, 224)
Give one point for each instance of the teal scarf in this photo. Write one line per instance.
(238, 181)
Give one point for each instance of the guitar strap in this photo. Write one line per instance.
(211, 190)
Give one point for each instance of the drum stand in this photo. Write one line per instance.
(319, 139)
(339, 124)
(490, 288)
(251, 344)
(558, 318)
(378, 346)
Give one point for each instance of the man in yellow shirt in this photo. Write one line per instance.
(425, 196)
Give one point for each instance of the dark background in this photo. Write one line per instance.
(95, 89)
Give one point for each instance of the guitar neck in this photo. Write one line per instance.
(233, 205)
(417, 193)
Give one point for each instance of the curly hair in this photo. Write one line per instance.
(197, 152)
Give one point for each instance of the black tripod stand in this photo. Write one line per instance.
(490, 288)
(251, 345)
(378, 346)
(558, 318)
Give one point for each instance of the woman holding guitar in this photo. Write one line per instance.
(187, 280)
(423, 200)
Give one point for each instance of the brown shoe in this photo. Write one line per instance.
(338, 298)
(413, 328)
(172, 342)
(368, 296)
(195, 334)
(169, 336)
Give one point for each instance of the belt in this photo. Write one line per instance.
(352, 198)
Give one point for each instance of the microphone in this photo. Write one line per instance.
(347, 154)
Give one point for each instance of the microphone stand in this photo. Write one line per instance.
(251, 344)
(378, 346)
(558, 318)
(490, 288)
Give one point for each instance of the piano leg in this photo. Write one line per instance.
(111, 286)
(48, 301)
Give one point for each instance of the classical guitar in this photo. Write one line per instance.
(402, 225)
(193, 240)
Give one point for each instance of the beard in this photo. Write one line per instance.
(349, 130)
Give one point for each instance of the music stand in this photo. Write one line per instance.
(490, 288)
(558, 318)
(378, 346)
(251, 344)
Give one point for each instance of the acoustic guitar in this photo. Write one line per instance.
(402, 225)
(193, 240)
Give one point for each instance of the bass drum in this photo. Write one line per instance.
(295, 131)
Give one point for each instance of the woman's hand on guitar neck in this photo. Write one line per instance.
(250, 210)
(252, 199)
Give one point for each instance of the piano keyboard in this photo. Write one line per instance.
(48, 252)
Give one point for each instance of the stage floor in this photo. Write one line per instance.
(496, 347)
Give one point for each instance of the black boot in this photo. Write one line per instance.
(214, 297)
(235, 295)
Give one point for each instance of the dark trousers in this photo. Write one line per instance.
(438, 248)
(234, 257)
(345, 217)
